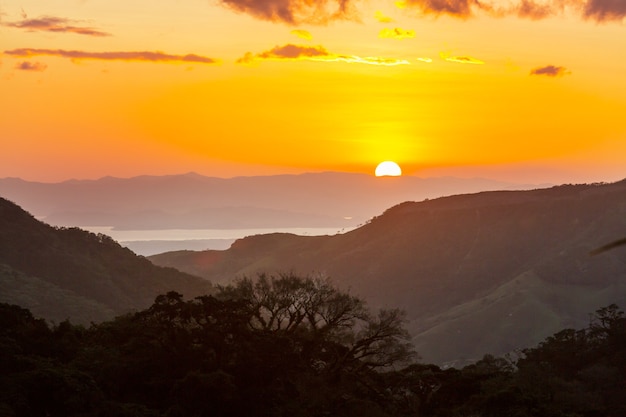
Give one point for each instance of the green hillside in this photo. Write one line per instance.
(71, 273)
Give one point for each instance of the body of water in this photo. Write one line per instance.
(150, 242)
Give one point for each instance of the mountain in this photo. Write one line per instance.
(62, 273)
(486, 272)
(193, 201)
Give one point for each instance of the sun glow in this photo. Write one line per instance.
(388, 169)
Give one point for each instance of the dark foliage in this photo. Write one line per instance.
(291, 346)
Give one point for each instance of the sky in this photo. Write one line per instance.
(513, 90)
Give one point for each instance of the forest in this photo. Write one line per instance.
(288, 345)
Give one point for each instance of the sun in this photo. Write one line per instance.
(388, 169)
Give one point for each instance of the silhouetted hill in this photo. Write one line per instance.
(487, 272)
(70, 273)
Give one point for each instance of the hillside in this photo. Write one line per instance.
(70, 273)
(487, 272)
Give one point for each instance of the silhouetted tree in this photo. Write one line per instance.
(333, 325)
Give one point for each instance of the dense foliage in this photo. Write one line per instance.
(291, 346)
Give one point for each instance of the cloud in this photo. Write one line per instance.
(550, 71)
(314, 53)
(598, 10)
(291, 51)
(247, 59)
(113, 56)
(424, 59)
(460, 59)
(464, 60)
(458, 8)
(535, 11)
(382, 18)
(302, 34)
(31, 66)
(371, 60)
(293, 12)
(396, 33)
(55, 24)
(605, 10)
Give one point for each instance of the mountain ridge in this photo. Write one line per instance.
(326, 199)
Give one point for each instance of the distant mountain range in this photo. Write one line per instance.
(486, 272)
(71, 273)
(192, 201)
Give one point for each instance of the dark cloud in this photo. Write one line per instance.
(535, 11)
(31, 66)
(314, 53)
(598, 10)
(113, 56)
(550, 71)
(295, 11)
(289, 51)
(605, 10)
(294, 51)
(457, 8)
(55, 24)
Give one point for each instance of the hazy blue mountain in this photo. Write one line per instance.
(192, 201)
(485, 272)
(71, 273)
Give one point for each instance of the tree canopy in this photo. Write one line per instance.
(292, 346)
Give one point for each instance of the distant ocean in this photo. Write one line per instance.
(150, 242)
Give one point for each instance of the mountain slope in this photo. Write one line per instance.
(70, 273)
(487, 272)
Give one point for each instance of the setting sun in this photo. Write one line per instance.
(232, 88)
(388, 169)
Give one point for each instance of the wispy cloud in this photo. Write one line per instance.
(424, 59)
(382, 18)
(55, 24)
(113, 56)
(295, 11)
(314, 53)
(536, 11)
(464, 60)
(291, 51)
(597, 10)
(370, 60)
(31, 66)
(302, 34)
(396, 33)
(550, 71)
(460, 59)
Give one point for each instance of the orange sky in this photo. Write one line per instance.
(519, 91)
